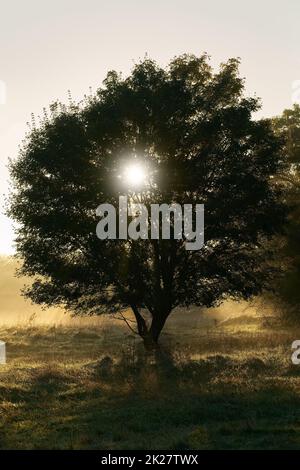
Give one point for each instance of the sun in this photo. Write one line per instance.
(135, 175)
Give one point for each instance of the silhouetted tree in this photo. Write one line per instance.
(194, 129)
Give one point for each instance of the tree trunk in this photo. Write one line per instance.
(157, 326)
(140, 321)
(151, 338)
(150, 335)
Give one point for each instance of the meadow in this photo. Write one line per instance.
(224, 380)
(226, 385)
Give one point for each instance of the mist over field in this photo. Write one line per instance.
(15, 310)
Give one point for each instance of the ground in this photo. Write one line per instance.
(219, 385)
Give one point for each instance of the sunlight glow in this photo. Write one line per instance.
(135, 175)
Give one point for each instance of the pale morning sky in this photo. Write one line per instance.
(49, 47)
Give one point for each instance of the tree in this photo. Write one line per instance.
(193, 127)
(287, 126)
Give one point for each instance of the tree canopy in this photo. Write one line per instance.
(287, 125)
(194, 128)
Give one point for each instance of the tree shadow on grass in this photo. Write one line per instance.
(216, 403)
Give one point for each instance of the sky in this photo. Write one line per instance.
(49, 47)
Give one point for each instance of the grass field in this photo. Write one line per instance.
(226, 385)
